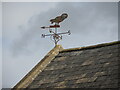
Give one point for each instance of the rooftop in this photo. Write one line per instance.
(93, 66)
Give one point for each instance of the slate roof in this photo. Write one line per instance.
(85, 67)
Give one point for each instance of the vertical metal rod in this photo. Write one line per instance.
(55, 36)
(55, 41)
(55, 28)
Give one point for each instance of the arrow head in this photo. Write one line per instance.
(69, 32)
(43, 27)
(43, 36)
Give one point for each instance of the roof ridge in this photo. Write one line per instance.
(38, 68)
(91, 47)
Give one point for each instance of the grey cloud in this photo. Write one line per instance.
(90, 23)
(84, 18)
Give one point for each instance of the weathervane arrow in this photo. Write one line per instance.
(55, 37)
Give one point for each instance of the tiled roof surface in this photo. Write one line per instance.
(95, 67)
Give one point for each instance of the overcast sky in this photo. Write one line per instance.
(90, 23)
(0, 45)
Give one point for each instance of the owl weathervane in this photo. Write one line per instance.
(55, 37)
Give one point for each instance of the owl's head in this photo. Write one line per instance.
(64, 15)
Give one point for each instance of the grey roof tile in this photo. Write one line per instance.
(95, 67)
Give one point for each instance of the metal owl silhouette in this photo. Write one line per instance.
(59, 19)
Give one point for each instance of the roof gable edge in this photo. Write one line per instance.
(38, 68)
